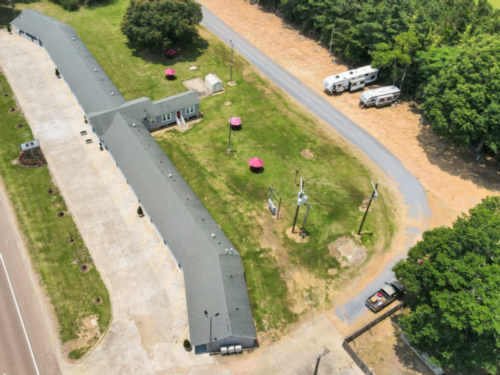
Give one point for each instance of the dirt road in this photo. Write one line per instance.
(453, 181)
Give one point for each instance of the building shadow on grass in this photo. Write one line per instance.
(7, 14)
(187, 53)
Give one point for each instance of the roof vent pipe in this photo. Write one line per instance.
(170, 175)
(133, 125)
(95, 69)
(213, 235)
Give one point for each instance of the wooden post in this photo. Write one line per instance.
(279, 207)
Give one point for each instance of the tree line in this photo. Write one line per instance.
(417, 45)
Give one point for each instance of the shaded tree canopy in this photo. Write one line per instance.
(462, 100)
(161, 23)
(454, 276)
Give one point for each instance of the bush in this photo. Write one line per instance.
(187, 344)
(8, 28)
(161, 23)
(57, 73)
(139, 211)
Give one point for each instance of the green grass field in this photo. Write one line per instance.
(71, 291)
(274, 129)
(495, 3)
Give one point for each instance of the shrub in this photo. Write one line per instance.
(187, 344)
(161, 23)
(57, 73)
(139, 211)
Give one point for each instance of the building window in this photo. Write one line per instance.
(152, 120)
(189, 110)
(166, 117)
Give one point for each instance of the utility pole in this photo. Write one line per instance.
(374, 195)
(305, 220)
(210, 345)
(229, 139)
(232, 47)
(325, 352)
(301, 198)
(331, 40)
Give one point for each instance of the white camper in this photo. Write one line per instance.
(379, 97)
(352, 80)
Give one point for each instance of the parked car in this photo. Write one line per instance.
(385, 296)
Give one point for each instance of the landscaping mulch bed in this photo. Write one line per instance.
(33, 158)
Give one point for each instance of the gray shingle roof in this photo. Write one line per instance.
(144, 106)
(214, 279)
(74, 61)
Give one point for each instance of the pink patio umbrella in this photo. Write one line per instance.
(169, 72)
(256, 163)
(236, 121)
(170, 52)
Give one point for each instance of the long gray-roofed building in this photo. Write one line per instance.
(219, 309)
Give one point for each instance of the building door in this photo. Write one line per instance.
(179, 115)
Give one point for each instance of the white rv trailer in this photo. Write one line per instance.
(379, 97)
(353, 79)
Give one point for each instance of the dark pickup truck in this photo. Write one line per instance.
(385, 296)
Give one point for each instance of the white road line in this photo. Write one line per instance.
(19, 313)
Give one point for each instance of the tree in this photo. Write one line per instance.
(454, 277)
(462, 102)
(57, 73)
(161, 23)
(139, 211)
(187, 344)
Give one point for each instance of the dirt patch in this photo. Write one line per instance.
(385, 353)
(71, 241)
(307, 153)
(227, 103)
(198, 86)
(51, 191)
(12, 110)
(85, 268)
(296, 236)
(231, 83)
(5, 95)
(61, 214)
(19, 126)
(97, 301)
(88, 336)
(345, 250)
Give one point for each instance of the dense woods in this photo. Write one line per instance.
(411, 42)
(453, 275)
(160, 24)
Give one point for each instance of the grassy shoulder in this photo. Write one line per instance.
(275, 129)
(48, 237)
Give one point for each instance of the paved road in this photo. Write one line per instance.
(414, 194)
(16, 357)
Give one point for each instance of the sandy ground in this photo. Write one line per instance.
(385, 352)
(454, 181)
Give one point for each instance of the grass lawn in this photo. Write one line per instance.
(274, 129)
(495, 3)
(71, 291)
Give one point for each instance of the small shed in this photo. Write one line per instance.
(213, 83)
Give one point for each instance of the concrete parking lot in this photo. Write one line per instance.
(146, 288)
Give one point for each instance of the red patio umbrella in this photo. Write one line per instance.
(170, 52)
(235, 121)
(169, 72)
(256, 162)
